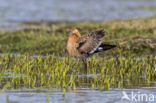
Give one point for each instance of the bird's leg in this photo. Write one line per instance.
(84, 60)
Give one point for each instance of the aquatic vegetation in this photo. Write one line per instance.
(135, 35)
(121, 71)
(43, 60)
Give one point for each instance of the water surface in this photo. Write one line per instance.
(83, 95)
(13, 11)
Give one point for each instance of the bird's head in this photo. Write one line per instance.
(76, 32)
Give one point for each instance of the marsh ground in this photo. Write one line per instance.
(34, 60)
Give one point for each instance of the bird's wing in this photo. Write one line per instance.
(89, 43)
(81, 41)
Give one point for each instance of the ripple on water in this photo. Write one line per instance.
(84, 95)
(71, 10)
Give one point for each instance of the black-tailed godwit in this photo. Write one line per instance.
(87, 45)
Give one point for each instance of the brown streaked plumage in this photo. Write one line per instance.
(86, 45)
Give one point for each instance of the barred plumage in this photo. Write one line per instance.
(87, 45)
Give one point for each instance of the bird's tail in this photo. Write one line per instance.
(104, 47)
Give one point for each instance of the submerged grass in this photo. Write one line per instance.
(104, 73)
(131, 64)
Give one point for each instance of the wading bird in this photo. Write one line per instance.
(87, 45)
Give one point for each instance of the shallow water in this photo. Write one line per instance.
(14, 11)
(83, 95)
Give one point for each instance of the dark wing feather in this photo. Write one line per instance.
(106, 46)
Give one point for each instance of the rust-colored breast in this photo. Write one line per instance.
(71, 45)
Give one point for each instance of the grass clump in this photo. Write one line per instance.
(114, 72)
(135, 35)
